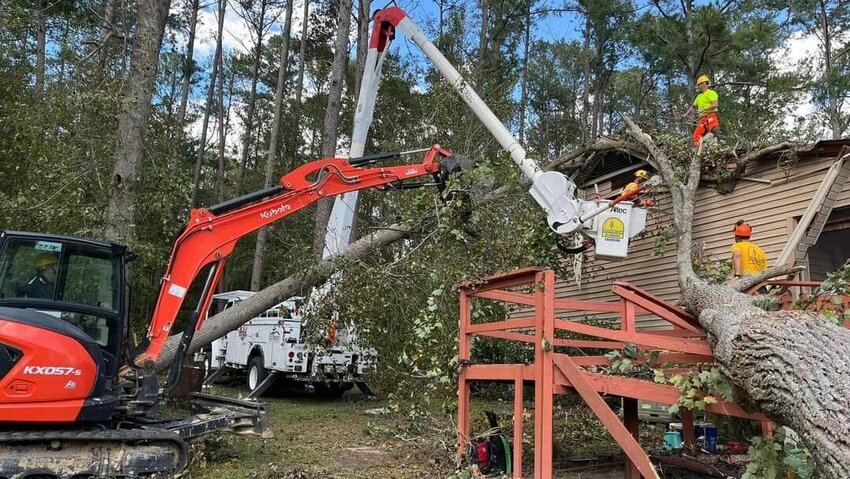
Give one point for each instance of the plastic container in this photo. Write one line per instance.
(710, 433)
(672, 440)
(677, 427)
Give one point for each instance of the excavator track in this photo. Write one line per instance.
(91, 453)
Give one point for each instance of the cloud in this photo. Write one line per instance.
(237, 38)
(237, 34)
(797, 51)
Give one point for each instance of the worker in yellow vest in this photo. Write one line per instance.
(705, 105)
(747, 258)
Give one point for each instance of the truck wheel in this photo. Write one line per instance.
(256, 372)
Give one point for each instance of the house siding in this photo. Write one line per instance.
(770, 209)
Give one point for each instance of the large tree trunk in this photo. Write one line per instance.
(523, 97)
(483, 34)
(586, 80)
(332, 115)
(300, 283)
(362, 41)
(274, 140)
(188, 64)
(202, 144)
(133, 119)
(789, 365)
(833, 103)
(302, 52)
(252, 93)
(222, 120)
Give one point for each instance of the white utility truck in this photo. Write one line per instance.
(274, 347)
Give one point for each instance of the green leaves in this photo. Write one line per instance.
(827, 299)
(699, 388)
(780, 456)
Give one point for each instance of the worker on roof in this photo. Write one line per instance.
(631, 191)
(747, 258)
(705, 105)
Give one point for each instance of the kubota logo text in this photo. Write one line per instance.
(52, 371)
(274, 211)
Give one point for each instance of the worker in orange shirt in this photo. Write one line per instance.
(747, 258)
(705, 105)
(629, 191)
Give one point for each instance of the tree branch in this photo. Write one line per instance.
(747, 282)
(575, 157)
(663, 165)
(756, 154)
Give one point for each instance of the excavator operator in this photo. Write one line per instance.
(46, 269)
(705, 105)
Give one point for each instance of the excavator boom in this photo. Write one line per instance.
(212, 232)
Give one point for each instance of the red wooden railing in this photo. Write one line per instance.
(557, 373)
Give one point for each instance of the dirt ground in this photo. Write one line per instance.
(347, 439)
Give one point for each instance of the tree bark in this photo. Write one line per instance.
(107, 26)
(523, 97)
(586, 80)
(302, 52)
(222, 117)
(833, 103)
(188, 64)
(202, 144)
(274, 140)
(789, 365)
(482, 33)
(362, 41)
(40, 48)
(332, 116)
(260, 28)
(133, 119)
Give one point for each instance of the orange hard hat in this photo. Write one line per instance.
(743, 229)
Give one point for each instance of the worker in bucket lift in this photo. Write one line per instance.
(705, 105)
(632, 191)
(747, 258)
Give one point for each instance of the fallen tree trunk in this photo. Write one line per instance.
(300, 283)
(226, 321)
(790, 365)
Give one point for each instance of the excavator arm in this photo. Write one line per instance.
(212, 233)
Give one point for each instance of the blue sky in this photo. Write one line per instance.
(426, 14)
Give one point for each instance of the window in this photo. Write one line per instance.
(57, 271)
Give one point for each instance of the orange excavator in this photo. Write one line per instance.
(75, 400)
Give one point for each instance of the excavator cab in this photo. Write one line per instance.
(67, 300)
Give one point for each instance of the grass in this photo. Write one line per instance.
(323, 439)
(320, 438)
